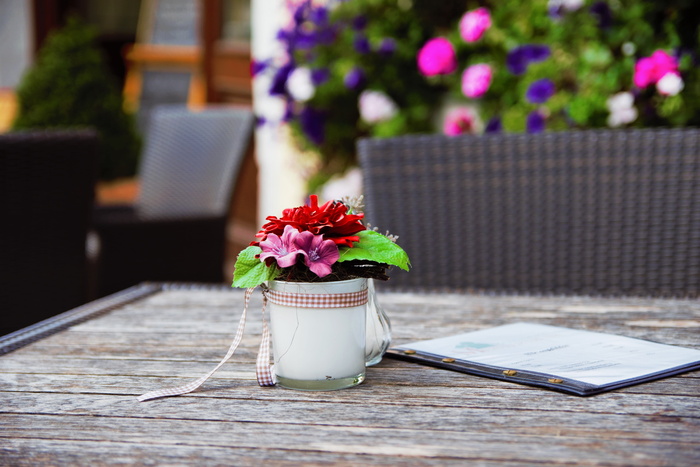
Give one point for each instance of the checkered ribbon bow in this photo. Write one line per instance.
(263, 369)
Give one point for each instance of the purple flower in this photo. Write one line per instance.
(320, 76)
(282, 250)
(326, 35)
(361, 44)
(288, 111)
(354, 79)
(311, 121)
(519, 58)
(387, 47)
(554, 10)
(602, 11)
(300, 13)
(540, 91)
(319, 15)
(535, 122)
(279, 81)
(493, 125)
(306, 40)
(536, 52)
(359, 23)
(257, 67)
(319, 254)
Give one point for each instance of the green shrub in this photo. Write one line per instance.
(70, 86)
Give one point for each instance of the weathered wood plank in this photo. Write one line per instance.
(32, 452)
(407, 442)
(389, 371)
(273, 405)
(478, 420)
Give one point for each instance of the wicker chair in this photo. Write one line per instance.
(603, 212)
(47, 183)
(176, 231)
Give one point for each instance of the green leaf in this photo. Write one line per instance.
(249, 271)
(374, 246)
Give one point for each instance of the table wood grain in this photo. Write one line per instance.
(70, 398)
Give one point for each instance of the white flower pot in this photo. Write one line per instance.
(318, 348)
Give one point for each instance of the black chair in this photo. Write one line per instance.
(47, 185)
(176, 231)
(602, 212)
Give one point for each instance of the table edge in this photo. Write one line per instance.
(85, 312)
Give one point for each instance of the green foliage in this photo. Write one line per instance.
(250, 271)
(70, 86)
(374, 246)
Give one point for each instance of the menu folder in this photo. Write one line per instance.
(577, 362)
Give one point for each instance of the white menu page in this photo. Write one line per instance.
(590, 357)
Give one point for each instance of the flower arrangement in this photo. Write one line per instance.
(383, 68)
(313, 243)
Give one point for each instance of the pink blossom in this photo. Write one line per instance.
(437, 57)
(459, 121)
(283, 250)
(649, 70)
(476, 80)
(474, 24)
(319, 254)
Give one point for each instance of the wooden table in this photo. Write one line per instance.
(70, 398)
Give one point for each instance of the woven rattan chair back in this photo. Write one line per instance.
(47, 183)
(191, 160)
(177, 229)
(604, 212)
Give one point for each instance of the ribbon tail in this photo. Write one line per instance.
(262, 367)
(187, 388)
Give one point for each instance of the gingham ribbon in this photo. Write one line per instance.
(263, 370)
(341, 300)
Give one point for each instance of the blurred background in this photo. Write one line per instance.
(319, 75)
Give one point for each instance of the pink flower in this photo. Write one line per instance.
(458, 121)
(319, 254)
(283, 250)
(476, 80)
(474, 24)
(649, 70)
(437, 57)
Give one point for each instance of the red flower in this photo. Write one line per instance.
(332, 220)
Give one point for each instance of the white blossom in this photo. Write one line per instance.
(348, 184)
(375, 106)
(628, 48)
(567, 5)
(300, 85)
(622, 109)
(670, 84)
